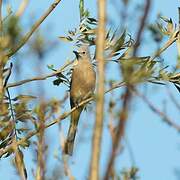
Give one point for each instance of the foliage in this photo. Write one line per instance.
(25, 115)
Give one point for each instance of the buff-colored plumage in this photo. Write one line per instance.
(82, 86)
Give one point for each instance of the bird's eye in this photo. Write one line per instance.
(83, 52)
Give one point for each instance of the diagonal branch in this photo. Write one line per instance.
(57, 120)
(38, 78)
(170, 41)
(22, 8)
(33, 29)
(157, 111)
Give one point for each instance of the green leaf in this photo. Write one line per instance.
(25, 144)
(72, 33)
(58, 81)
(24, 98)
(156, 33)
(86, 13)
(156, 82)
(65, 39)
(51, 66)
(19, 162)
(23, 116)
(119, 43)
(4, 133)
(81, 8)
(178, 87)
(92, 21)
(5, 142)
(165, 19)
(8, 153)
(170, 27)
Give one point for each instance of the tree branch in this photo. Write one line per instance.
(33, 29)
(38, 78)
(22, 8)
(127, 96)
(120, 132)
(178, 38)
(1, 19)
(141, 27)
(171, 40)
(157, 111)
(97, 134)
(60, 118)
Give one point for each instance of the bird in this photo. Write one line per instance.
(82, 86)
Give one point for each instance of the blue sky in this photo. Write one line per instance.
(155, 145)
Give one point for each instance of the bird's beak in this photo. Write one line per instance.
(76, 54)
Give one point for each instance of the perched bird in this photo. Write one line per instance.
(82, 87)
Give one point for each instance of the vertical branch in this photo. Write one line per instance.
(178, 38)
(1, 23)
(127, 96)
(119, 133)
(141, 27)
(67, 170)
(1, 57)
(40, 173)
(97, 135)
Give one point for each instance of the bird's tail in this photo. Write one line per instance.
(68, 149)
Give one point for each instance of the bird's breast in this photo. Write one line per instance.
(82, 81)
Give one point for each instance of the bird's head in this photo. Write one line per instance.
(83, 53)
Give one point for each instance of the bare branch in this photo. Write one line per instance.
(127, 99)
(1, 19)
(171, 40)
(60, 118)
(22, 8)
(97, 135)
(176, 103)
(120, 132)
(141, 27)
(157, 111)
(33, 29)
(178, 39)
(38, 78)
(41, 149)
(67, 170)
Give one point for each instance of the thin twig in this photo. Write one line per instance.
(1, 56)
(33, 29)
(38, 78)
(141, 27)
(170, 41)
(176, 103)
(67, 170)
(22, 8)
(119, 133)
(97, 134)
(178, 39)
(1, 19)
(157, 111)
